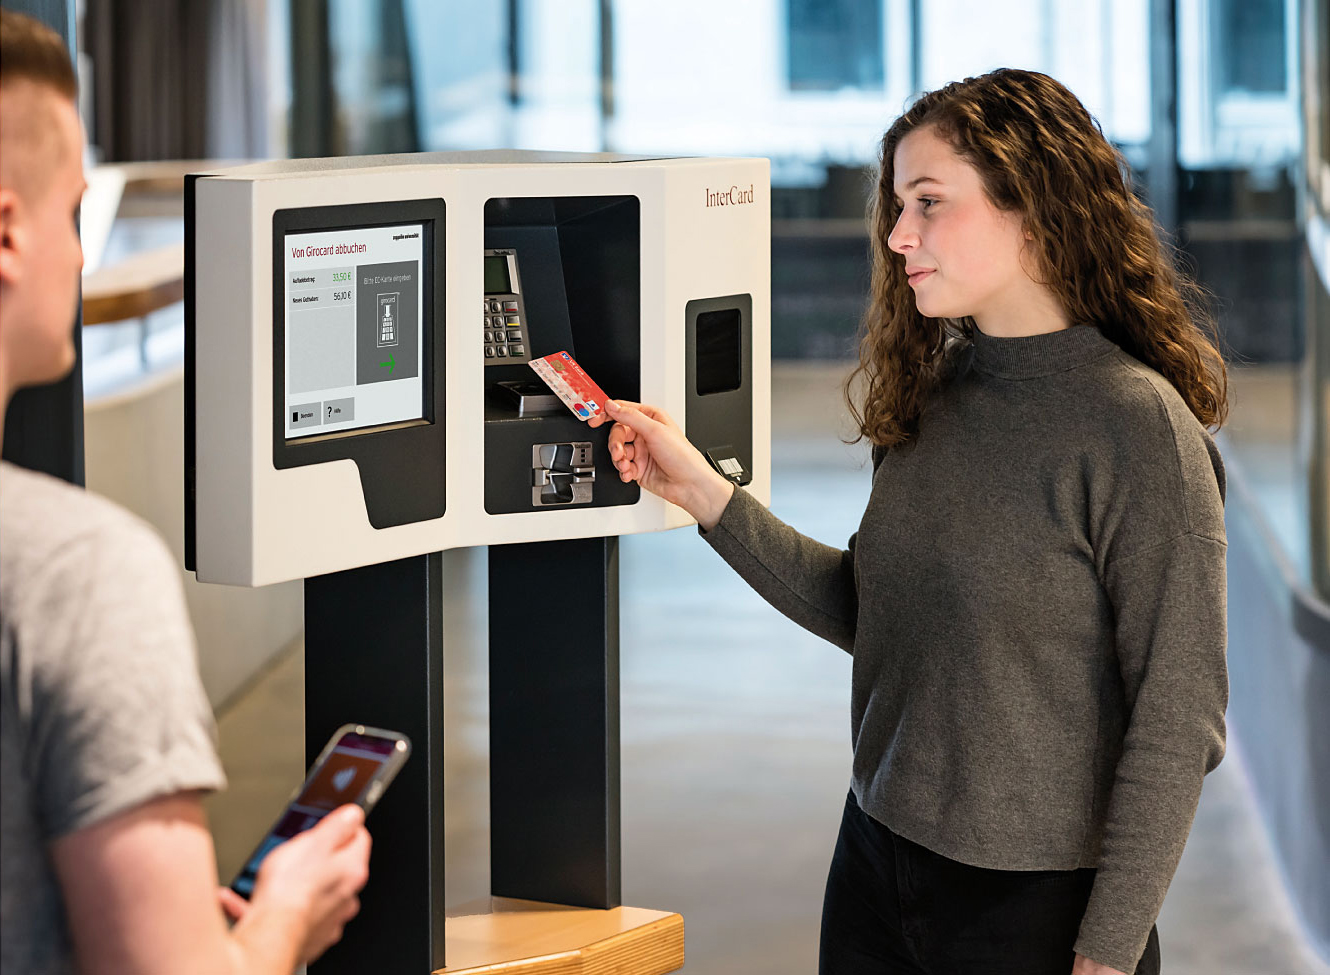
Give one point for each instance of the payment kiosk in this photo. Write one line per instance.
(359, 398)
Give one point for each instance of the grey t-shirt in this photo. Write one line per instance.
(101, 708)
(1035, 603)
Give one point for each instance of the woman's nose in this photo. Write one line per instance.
(902, 237)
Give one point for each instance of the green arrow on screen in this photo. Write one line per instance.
(390, 365)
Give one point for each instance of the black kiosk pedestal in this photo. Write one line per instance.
(373, 649)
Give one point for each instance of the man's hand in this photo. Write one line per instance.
(1086, 966)
(233, 905)
(313, 877)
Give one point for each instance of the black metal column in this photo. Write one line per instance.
(606, 30)
(1163, 150)
(313, 104)
(554, 722)
(44, 424)
(374, 656)
(916, 47)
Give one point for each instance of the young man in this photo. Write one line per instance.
(106, 738)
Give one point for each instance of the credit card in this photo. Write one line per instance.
(571, 384)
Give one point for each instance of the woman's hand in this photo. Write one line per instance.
(648, 447)
(1085, 966)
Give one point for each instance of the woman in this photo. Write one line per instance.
(1035, 597)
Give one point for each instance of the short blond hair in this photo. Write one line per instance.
(31, 51)
(35, 74)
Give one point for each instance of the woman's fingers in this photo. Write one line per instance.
(643, 419)
(620, 434)
(629, 470)
(631, 436)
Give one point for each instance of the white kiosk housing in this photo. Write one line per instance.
(653, 273)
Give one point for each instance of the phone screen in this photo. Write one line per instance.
(346, 774)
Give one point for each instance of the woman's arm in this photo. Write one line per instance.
(1169, 603)
(811, 583)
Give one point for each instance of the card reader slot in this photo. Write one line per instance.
(562, 473)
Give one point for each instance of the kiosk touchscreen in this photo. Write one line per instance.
(353, 329)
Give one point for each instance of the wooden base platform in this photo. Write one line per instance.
(501, 936)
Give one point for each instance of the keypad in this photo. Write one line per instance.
(503, 327)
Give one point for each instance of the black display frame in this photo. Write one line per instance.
(402, 464)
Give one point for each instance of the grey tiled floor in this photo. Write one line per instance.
(736, 749)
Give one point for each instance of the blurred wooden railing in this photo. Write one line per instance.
(137, 286)
(149, 280)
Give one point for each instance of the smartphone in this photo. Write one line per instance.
(356, 766)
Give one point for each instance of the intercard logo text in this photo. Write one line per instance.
(733, 196)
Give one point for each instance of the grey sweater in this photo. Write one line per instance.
(1035, 604)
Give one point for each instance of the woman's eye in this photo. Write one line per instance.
(925, 202)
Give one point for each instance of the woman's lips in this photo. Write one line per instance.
(917, 276)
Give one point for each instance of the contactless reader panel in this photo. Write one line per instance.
(347, 404)
(718, 336)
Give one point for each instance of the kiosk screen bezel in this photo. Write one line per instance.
(389, 454)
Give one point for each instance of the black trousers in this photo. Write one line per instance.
(895, 908)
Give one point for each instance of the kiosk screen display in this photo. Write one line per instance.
(354, 329)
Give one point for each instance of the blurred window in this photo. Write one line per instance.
(1237, 97)
(1250, 39)
(834, 44)
(373, 87)
(460, 61)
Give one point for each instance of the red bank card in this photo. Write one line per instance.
(571, 384)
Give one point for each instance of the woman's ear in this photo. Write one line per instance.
(1031, 258)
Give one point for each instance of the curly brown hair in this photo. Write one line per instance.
(1039, 153)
